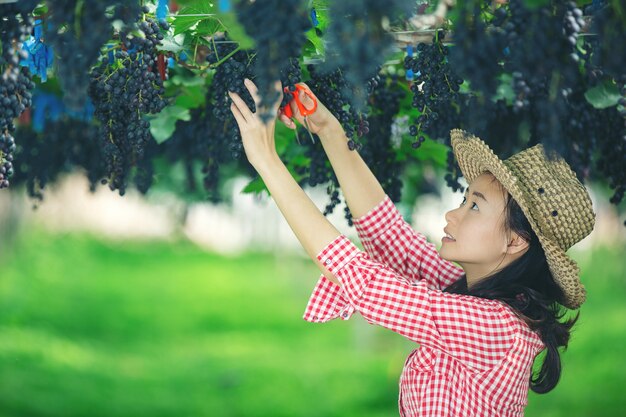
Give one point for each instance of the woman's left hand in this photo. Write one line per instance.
(257, 137)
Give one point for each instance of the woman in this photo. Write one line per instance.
(479, 326)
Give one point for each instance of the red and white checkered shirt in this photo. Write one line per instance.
(474, 356)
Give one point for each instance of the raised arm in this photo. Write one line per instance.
(360, 187)
(382, 230)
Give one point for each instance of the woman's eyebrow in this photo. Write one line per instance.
(477, 194)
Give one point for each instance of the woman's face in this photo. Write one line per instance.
(480, 246)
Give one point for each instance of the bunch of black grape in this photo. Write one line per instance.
(332, 89)
(435, 89)
(276, 44)
(610, 26)
(385, 95)
(608, 23)
(232, 67)
(378, 151)
(123, 92)
(15, 82)
(76, 30)
(358, 42)
(290, 75)
(229, 75)
(479, 47)
(7, 147)
(198, 141)
(544, 62)
(67, 144)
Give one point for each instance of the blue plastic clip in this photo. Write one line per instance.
(161, 10)
(314, 17)
(409, 75)
(224, 5)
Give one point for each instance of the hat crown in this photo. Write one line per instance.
(558, 204)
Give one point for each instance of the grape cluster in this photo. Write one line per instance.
(435, 89)
(376, 148)
(291, 75)
(66, 144)
(546, 73)
(15, 82)
(77, 30)
(332, 89)
(378, 151)
(199, 141)
(276, 44)
(608, 23)
(534, 51)
(233, 66)
(7, 147)
(479, 66)
(123, 92)
(358, 42)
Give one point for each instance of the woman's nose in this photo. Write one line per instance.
(450, 215)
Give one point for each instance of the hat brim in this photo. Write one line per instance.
(474, 158)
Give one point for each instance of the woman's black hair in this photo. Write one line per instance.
(527, 285)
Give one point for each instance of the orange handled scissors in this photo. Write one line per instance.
(303, 110)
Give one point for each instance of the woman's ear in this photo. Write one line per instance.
(516, 244)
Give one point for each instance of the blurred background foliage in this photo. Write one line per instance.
(90, 326)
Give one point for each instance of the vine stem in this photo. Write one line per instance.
(218, 63)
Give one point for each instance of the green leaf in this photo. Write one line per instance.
(183, 24)
(163, 124)
(316, 41)
(190, 98)
(603, 95)
(189, 81)
(173, 43)
(40, 10)
(505, 89)
(255, 186)
(236, 31)
(190, 16)
(208, 27)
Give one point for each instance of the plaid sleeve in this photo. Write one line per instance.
(326, 303)
(389, 239)
(476, 331)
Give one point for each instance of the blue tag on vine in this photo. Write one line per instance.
(161, 10)
(314, 17)
(224, 5)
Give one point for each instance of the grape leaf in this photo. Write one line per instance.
(603, 95)
(173, 43)
(163, 124)
(236, 31)
(316, 41)
(255, 186)
(190, 16)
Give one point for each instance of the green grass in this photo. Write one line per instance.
(90, 327)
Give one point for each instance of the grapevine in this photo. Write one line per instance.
(513, 73)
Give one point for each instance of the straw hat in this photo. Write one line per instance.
(555, 203)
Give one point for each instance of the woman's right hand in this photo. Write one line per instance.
(317, 121)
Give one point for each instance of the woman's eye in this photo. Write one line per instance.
(473, 204)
